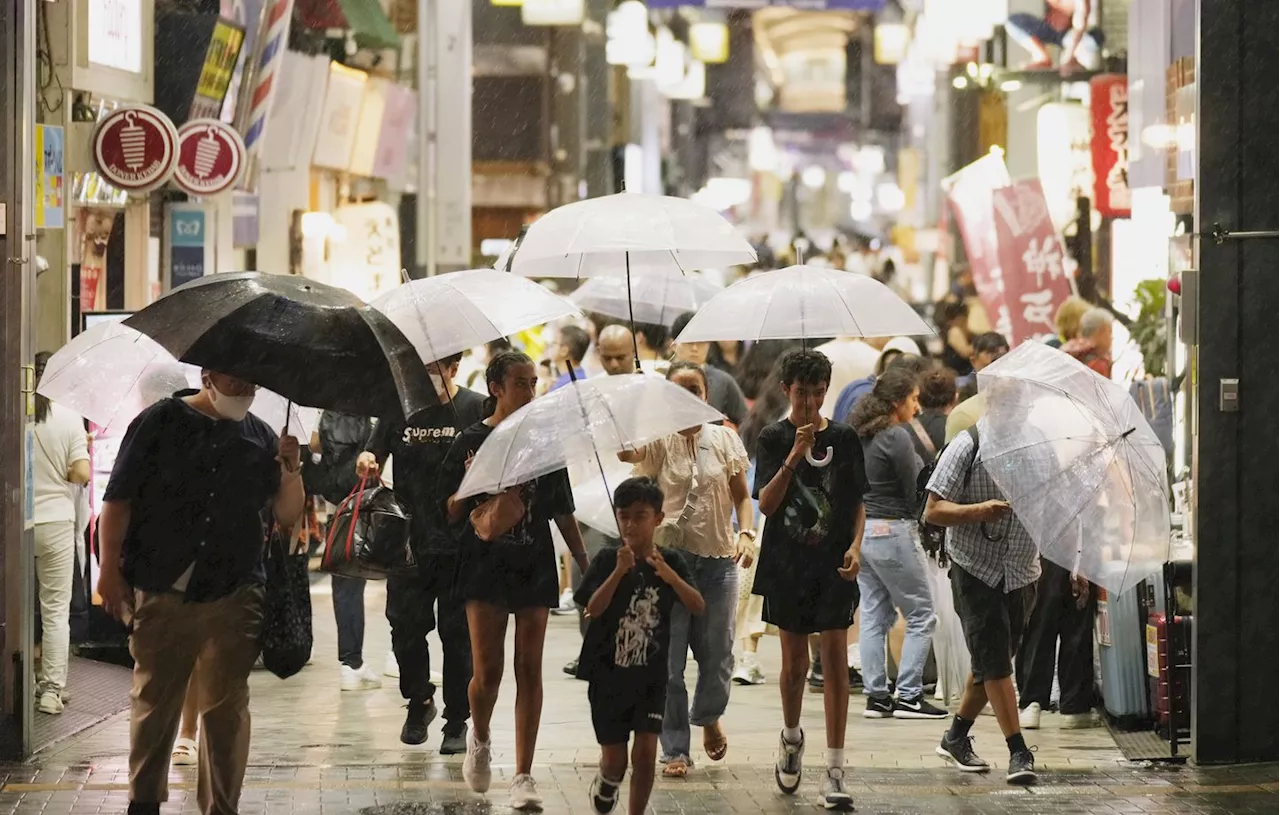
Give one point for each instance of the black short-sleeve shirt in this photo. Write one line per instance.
(627, 646)
(806, 539)
(419, 447)
(199, 491)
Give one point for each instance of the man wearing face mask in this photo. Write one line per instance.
(195, 486)
(419, 446)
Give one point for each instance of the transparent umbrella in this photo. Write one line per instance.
(582, 424)
(449, 313)
(110, 373)
(593, 494)
(1082, 469)
(656, 299)
(629, 233)
(802, 303)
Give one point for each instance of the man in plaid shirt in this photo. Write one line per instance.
(994, 567)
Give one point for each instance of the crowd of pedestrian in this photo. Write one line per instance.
(798, 517)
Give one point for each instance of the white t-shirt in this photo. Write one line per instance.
(60, 443)
(851, 360)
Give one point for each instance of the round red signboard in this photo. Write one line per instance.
(136, 148)
(210, 157)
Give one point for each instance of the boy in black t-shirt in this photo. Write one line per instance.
(629, 593)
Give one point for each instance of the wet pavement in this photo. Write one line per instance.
(317, 750)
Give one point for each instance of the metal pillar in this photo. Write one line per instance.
(425, 63)
(17, 290)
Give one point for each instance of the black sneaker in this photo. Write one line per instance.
(420, 715)
(917, 708)
(571, 668)
(816, 683)
(1022, 768)
(855, 680)
(604, 794)
(960, 753)
(455, 740)
(879, 708)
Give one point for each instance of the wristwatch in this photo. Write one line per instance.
(750, 533)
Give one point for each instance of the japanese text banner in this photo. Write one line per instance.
(1030, 260)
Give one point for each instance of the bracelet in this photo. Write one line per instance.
(750, 533)
(787, 466)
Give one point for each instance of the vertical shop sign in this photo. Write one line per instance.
(215, 75)
(95, 231)
(188, 243)
(340, 117)
(969, 192)
(367, 261)
(51, 194)
(1031, 260)
(396, 132)
(1109, 101)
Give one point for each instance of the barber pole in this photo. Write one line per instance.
(272, 42)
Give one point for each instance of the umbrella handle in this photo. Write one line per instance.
(819, 462)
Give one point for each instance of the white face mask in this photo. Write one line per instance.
(231, 408)
(437, 382)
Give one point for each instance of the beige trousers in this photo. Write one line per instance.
(170, 639)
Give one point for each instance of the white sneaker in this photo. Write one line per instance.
(50, 702)
(787, 768)
(1029, 718)
(437, 678)
(747, 670)
(834, 795)
(854, 654)
(392, 670)
(1078, 721)
(567, 605)
(362, 679)
(476, 767)
(524, 793)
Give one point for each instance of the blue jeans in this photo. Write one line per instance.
(711, 638)
(893, 577)
(348, 612)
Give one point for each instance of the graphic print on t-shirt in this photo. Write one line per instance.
(635, 641)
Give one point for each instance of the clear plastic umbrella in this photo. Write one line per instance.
(656, 299)
(629, 233)
(582, 424)
(110, 373)
(1078, 462)
(593, 494)
(804, 302)
(449, 313)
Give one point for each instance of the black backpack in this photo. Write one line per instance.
(933, 538)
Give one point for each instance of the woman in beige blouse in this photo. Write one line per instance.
(703, 475)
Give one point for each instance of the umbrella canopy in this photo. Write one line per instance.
(1078, 462)
(804, 302)
(449, 313)
(593, 493)
(110, 373)
(582, 423)
(629, 232)
(656, 299)
(313, 344)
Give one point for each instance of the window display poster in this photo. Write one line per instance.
(51, 197)
(188, 239)
(95, 231)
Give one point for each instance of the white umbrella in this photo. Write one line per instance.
(1077, 461)
(804, 302)
(655, 299)
(629, 233)
(110, 373)
(593, 494)
(449, 313)
(582, 424)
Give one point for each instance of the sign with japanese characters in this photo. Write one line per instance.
(366, 258)
(1109, 102)
(970, 192)
(136, 148)
(1034, 280)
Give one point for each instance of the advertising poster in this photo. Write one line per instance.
(95, 231)
(188, 238)
(219, 66)
(51, 193)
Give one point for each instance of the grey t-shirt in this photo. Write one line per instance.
(724, 395)
(892, 468)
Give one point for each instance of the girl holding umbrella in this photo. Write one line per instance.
(507, 566)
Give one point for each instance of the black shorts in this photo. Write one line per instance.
(618, 711)
(993, 621)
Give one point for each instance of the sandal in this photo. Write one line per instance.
(715, 742)
(676, 768)
(185, 753)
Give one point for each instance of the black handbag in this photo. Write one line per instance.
(286, 609)
(369, 535)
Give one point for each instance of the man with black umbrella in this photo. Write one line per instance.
(195, 486)
(419, 447)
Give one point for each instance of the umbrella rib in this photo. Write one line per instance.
(1058, 533)
(845, 303)
(1075, 400)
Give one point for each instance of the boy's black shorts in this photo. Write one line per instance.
(617, 711)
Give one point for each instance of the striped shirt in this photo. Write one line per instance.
(1011, 562)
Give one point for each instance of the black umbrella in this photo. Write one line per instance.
(314, 344)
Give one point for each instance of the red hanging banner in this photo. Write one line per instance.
(1109, 103)
(1031, 259)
